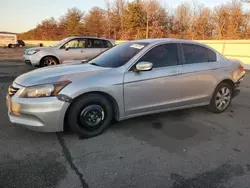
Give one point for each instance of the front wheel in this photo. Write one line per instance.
(221, 98)
(11, 46)
(48, 61)
(90, 115)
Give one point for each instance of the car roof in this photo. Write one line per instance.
(89, 37)
(155, 40)
(158, 40)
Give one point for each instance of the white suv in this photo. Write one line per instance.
(68, 49)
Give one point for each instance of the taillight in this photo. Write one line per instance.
(241, 68)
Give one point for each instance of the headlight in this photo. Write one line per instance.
(31, 52)
(46, 90)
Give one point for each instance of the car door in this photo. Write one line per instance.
(72, 50)
(93, 48)
(157, 89)
(198, 73)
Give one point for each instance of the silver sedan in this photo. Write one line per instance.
(132, 79)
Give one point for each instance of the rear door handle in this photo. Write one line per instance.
(82, 51)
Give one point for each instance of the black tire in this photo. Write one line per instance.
(76, 115)
(212, 106)
(11, 46)
(45, 61)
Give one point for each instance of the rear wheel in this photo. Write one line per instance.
(90, 115)
(48, 61)
(221, 98)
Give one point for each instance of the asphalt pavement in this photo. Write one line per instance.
(190, 148)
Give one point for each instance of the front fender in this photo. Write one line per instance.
(44, 54)
(114, 91)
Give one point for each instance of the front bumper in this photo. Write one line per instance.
(32, 60)
(38, 114)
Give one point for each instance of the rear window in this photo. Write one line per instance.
(106, 44)
(211, 55)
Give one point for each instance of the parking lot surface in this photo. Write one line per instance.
(191, 148)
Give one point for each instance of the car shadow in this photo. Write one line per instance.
(173, 131)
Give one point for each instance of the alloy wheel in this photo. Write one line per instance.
(223, 98)
(49, 62)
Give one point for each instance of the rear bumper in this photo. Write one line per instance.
(237, 84)
(236, 90)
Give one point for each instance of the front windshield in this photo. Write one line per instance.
(61, 42)
(118, 55)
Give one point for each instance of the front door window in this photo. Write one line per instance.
(162, 56)
(76, 43)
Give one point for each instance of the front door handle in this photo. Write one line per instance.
(82, 51)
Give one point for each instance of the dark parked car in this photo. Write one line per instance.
(19, 43)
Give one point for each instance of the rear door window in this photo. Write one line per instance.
(94, 43)
(197, 54)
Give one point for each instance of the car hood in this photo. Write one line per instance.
(57, 73)
(39, 48)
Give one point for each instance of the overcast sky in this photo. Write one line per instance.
(22, 15)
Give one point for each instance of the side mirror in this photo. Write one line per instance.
(67, 48)
(144, 66)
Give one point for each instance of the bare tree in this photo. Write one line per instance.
(131, 19)
(183, 16)
(95, 22)
(220, 18)
(156, 19)
(203, 26)
(118, 10)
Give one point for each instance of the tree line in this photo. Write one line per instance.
(137, 19)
